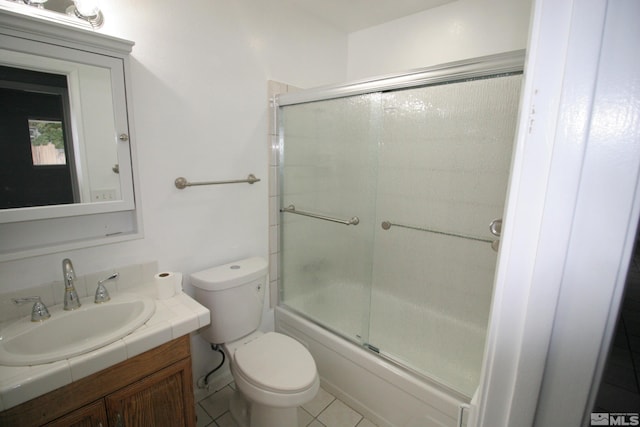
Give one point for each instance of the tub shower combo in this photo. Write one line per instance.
(391, 197)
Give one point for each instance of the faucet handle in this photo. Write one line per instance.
(68, 271)
(39, 311)
(102, 295)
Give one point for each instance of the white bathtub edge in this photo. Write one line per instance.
(347, 371)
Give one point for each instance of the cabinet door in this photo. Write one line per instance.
(162, 399)
(92, 415)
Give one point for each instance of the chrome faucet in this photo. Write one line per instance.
(71, 300)
(39, 311)
(102, 295)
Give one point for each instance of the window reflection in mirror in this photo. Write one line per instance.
(47, 142)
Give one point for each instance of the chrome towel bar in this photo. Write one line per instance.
(387, 225)
(292, 209)
(182, 182)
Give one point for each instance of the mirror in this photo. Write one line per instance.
(63, 132)
(57, 132)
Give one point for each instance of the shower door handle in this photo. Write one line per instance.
(292, 209)
(495, 227)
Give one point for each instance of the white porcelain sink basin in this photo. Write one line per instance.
(70, 333)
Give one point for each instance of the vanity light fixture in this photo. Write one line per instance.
(37, 3)
(89, 10)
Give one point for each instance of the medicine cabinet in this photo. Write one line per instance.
(67, 175)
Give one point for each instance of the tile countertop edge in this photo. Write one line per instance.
(174, 317)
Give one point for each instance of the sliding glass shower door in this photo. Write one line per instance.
(329, 168)
(424, 169)
(443, 168)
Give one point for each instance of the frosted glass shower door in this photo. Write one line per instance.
(444, 159)
(425, 170)
(329, 168)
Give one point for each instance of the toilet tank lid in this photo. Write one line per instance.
(230, 275)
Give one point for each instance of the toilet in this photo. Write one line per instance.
(274, 373)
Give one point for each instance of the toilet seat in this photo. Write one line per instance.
(277, 363)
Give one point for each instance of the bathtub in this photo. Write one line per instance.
(382, 391)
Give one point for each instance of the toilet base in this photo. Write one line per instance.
(239, 409)
(251, 414)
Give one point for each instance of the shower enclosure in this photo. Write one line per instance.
(388, 189)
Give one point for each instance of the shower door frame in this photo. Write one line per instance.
(487, 66)
(502, 63)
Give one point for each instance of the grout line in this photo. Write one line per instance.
(316, 419)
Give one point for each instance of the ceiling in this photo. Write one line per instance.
(354, 15)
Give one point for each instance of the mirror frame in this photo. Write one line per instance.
(47, 229)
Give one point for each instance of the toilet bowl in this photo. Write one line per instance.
(274, 373)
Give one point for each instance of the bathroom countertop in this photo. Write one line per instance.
(174, 317)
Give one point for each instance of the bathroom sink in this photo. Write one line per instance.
(70, 333)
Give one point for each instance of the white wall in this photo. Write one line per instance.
(199, 77)
(455, 31)
(200, 85)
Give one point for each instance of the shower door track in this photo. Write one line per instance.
(434, 381)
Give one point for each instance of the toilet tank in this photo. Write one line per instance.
(234, 294)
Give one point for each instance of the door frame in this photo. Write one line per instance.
(570, 219)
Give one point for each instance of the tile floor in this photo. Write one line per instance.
(323, 411)
(620, 387)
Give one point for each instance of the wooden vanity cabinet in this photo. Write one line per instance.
(152, 389)
(154, 401)
(92, 415)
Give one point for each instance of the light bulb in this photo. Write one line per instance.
(37, 3)
(87, 8)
